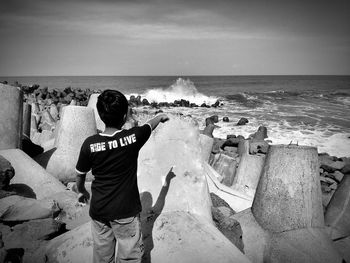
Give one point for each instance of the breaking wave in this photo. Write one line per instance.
(180, 89)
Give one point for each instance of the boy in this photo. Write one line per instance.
(115, 204)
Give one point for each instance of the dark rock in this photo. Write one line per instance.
(331, 166)
(184, 103)
(231, 142)
(203, 105)
(338, 176)
(242, 121)
(154, 104)
(193, 105)
(231, 136)
(211, 120)
(138, 100)
(225, 119)
(163, 104)
(145, 102)
(158, 111)
(7, 172)
(216, 104)
(68, 90)
(31, 148)
(346, 168)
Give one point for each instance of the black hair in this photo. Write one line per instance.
(112, 107)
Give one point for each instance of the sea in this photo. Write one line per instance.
(303, 110)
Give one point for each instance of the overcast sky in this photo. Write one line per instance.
(163, 37)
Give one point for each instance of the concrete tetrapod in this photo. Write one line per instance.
(206, 146)
(176, 216)
(31, 176)
(27, 118)
(76, 124)
(338, 211)
(285, 223)
(249, 170)
(92, 104)
(11, 108)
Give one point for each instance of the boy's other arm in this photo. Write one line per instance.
(157, 119)
(83, 194)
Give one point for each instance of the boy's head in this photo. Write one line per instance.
(112, 106)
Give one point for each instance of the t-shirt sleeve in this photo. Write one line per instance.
(84, 163)
(142, 134)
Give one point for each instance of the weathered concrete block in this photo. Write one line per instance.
(199, 242)
(302, 246)
(54, 112)
(236, 199)
(11, 108)
(73, 246)
(228, 226)
(72, 214)
(206, 143)
(31, 174)
(7, 172)
(338, 211)
(255, 238)
(26, 234)
(285, 223)
(226, 167)
(217, 145)
(342, 246)
(29, 209)
(249, 170)
(92, 104)
(76, 124)
(189, 189)
(289, 193)
(258, 146)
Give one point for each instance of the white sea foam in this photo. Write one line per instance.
(279, 132)
(181, 89)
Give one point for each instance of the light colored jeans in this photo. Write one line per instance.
(123, 235)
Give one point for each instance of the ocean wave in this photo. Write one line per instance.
(246, 99)
(180, 89)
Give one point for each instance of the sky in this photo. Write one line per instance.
(179, 37)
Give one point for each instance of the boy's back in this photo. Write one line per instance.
(113, 161)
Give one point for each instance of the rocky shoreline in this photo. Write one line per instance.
(29, 223)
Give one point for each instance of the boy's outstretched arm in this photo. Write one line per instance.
(157, 119)
(83, 194)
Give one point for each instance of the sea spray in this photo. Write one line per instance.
(180, 89)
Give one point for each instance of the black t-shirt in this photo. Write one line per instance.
(113, 162)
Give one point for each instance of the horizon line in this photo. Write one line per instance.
(178, 75)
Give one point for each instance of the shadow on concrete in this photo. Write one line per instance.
(17, 189)
(149, 215)
(44, 158)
